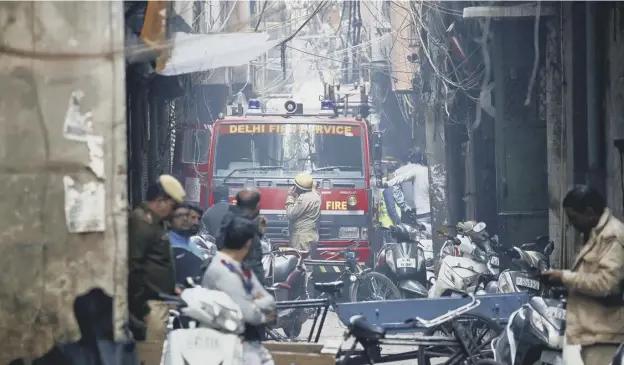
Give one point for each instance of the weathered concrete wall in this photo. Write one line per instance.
(57, 49)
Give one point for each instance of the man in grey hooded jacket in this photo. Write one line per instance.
(227, 273)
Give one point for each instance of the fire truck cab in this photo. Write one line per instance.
(254, 147)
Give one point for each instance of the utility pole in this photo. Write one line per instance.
(436, 161)
(436, 149)
(62, 69)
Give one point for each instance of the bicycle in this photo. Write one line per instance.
(358, 276)
(457, 342)
(331, 290)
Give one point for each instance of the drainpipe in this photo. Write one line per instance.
(593, 154)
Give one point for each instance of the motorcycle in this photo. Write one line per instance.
(286, 279)
(476, 261)
(404, 261)
(535, 332)
(527, 261)
(205, 324)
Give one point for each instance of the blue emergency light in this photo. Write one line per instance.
(327, 105)
(253, 104)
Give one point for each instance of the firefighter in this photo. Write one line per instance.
(303, 209)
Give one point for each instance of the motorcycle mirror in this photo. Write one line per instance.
(479, 227)
(550, 247)
(190, 283)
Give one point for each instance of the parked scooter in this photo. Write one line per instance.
(478, 260)
(527, 262)
(404, 262)
(286, 278)
(205, 323)
(535, 332)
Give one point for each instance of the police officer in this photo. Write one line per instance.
(303, 209)
(151, 266)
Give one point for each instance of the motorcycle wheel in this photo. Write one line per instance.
(382, 288)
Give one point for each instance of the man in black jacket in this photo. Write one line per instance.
(211, 220)
(247, 204)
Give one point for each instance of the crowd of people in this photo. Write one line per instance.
(595, 282)
(166, 222)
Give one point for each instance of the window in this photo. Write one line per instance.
(333, 150)
(195, 146)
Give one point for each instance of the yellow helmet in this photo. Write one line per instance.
(304, 181)
(172, 187)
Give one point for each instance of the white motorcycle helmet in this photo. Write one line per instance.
(213, 309)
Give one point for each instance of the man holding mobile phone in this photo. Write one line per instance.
(595, 309)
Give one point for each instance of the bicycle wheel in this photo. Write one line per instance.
(474, 331)
(373, 286)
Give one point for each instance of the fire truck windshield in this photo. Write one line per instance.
(330, 150)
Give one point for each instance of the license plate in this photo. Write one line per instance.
(494, 261)
(556, 313)
(527, 283)
(406, 262)
(552, 357)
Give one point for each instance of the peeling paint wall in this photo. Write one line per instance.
(57, 49)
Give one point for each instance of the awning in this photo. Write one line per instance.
(201, 52)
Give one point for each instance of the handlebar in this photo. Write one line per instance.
(287, 252)
(173, 300)
(474, 302)
(344, 250)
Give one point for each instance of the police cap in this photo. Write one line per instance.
(172, 187)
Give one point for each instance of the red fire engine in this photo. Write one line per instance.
(263, 150)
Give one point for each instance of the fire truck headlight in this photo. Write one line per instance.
(364, 233)
(352, 201)
(349, 232)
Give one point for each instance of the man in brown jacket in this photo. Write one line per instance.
(595, 314)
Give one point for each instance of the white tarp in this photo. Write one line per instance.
(202, 52)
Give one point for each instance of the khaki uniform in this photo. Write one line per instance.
(594, 322)
(150, 273)
(303, 214)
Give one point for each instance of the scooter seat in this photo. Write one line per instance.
(332, 287)
(283, 266)
(361, 329)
